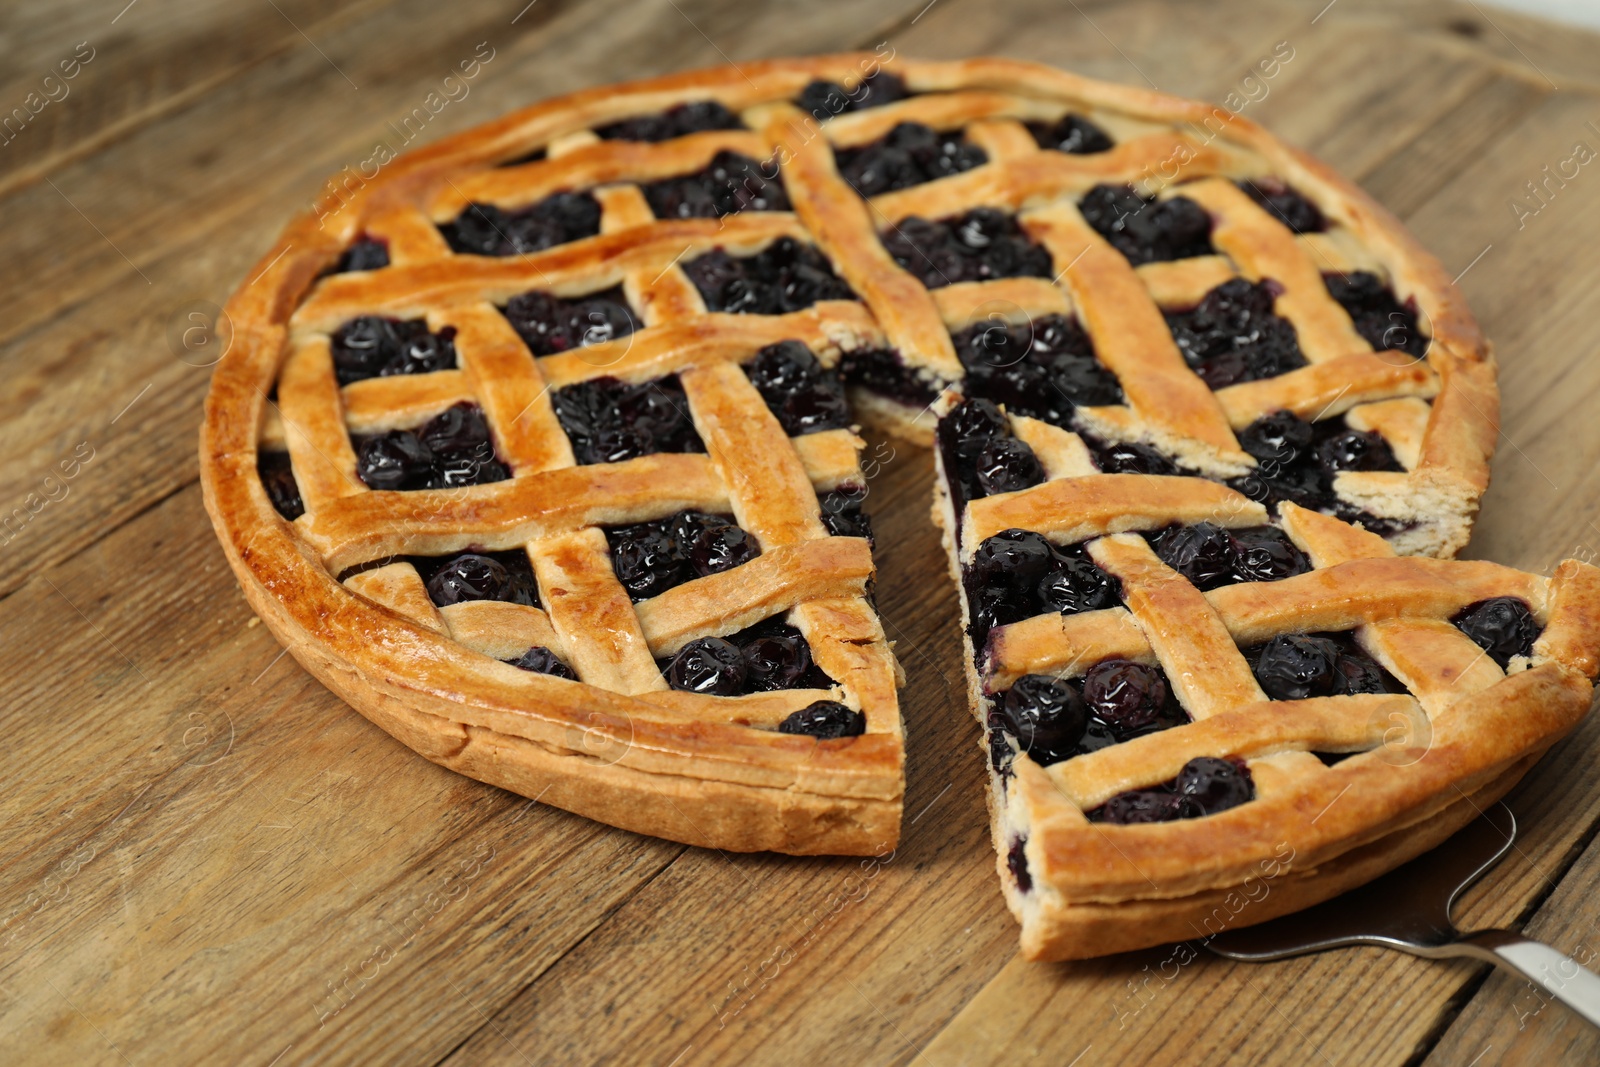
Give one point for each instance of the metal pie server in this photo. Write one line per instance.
(1409, 909)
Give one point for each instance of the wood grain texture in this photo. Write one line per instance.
(208, 858)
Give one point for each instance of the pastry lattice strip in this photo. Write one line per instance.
(551, 507)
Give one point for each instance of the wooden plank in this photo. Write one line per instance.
(85, 76)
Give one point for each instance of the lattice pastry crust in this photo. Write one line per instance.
(1424, 761)
(621, 747)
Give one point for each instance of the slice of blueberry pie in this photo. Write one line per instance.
(1187, 697)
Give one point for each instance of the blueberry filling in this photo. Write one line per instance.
(825, 99)
(1071, 133)
(1301, 666)
(1502, 626)
(677, 121)
(365, 253)
(764, 658)
(882, 371)
(486, 230)
(450, 450)
(1127, 457)
(609, 420)
(1043, 369)
(505, 576)
(1285, 205)
(1205, 786)
(826, 720)
(1297, 461)
(1209, 556)
(981, 245)
(1234, 336)
(541, 660)
(1017, 574)
(803, 395)
(651, 557)
(842, 514)
(549, 324)
(961, 436)
(1054, 719)
(907, 155)
(375, 347)
(1017, 864)
(1147, 230)
(785, 276)
(732, 183)
(277, 478)
(1379, 317)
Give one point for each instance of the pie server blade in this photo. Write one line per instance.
(1409, 909)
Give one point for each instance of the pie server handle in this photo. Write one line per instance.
(1557, 973)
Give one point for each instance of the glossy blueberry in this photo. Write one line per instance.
(372, 346)
(884, 372)
(825, 99)
(731, 183)
(977, 419)
(1127, 696)
(1214, 784)
(825, 720)
(470, 576)
(1042, 369)
(1355, 450)
(609, 421)
(842, 513)
(1297, 666)
(1265, 554)
(982, 245)
(708, 665)
(644, 560)
(1502, 626)
(785, 276)
(1355, 673)
(1277, 440)
(1141, 806)
(1126, 457)
(394, 460)
(777, 662)
(1006, 464)
(1378, 316)
(1046, 716)
(909, 154)
(1285, 205)
(1234, 335)
(541, 660)
(1204, 553)
(1017, 558)
(1075, 584)
(674, 122)
(1147, 230)
(487, 230)
(549, 324)
(805, 397)
(277, 477)
(1071, 133)
(365, 253)
(720, 548)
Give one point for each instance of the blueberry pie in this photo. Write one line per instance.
(1186, 695)
(539, 448)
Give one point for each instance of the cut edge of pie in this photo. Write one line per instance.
(1413, 766)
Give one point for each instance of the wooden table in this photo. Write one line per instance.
(207, 858)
